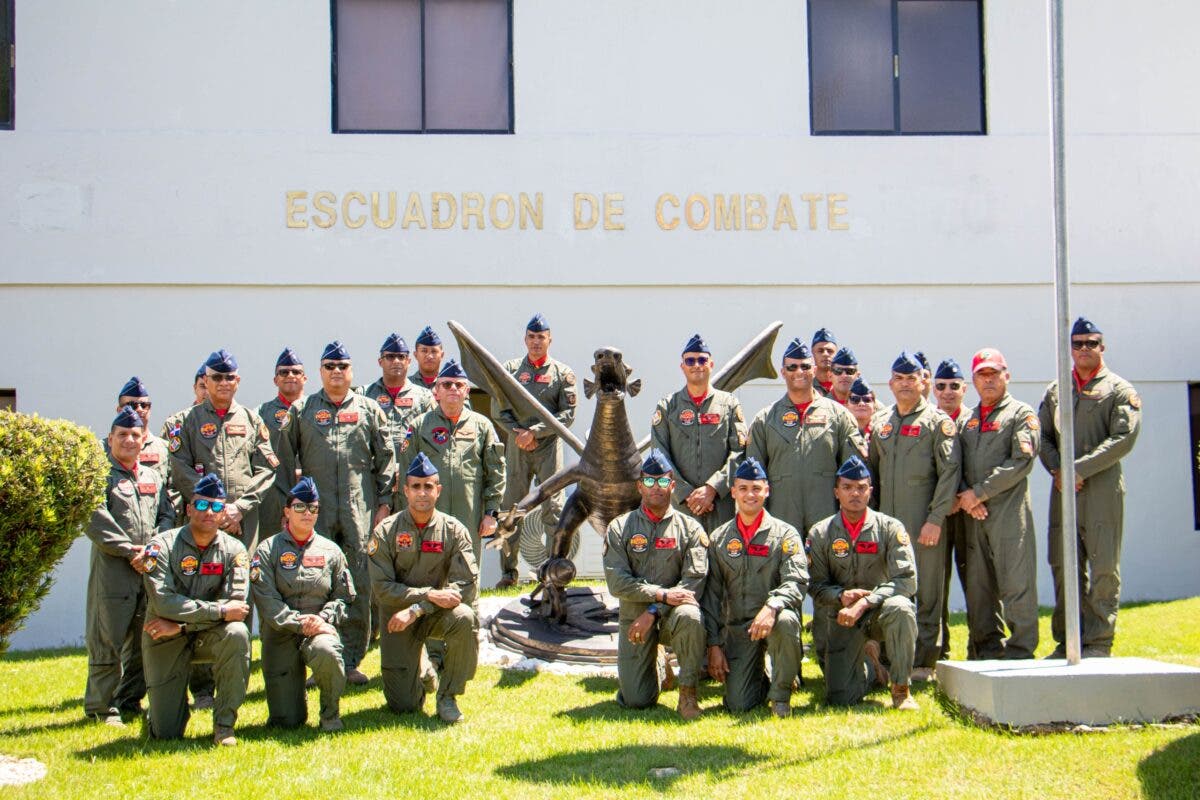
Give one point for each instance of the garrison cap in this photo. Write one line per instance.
(451, 369)
(696, 344)
(394, 343)
(1083, 326)
(128, 418)
(922, 359)
(305, 491)
(797, 349)
(906, 364)
(854, 469)
(657, 463)
(421, 467)
(537, 323)
(335, 351)
(861, 388)
(750, 470)
(845, 358)
(133, 388)
(288, 358)
(199, 372)
(428, 337)
(209, 486)
(221, 361)
(949, 370)
(824, 335)
(988, 358)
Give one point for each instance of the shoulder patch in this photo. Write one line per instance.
(737, 413)
(703, 539)
(1031, 421)
(1135, 400)
(569, 377)
(241, 560)
(790, 546)
(372, 546)
(263, 433)
(902, 537)
(657, 418)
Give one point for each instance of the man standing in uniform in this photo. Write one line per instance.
(302, 587)
(844, 369)
(757, 576)
(155, 454)
(196, 592)
(703, 431)
(824, 347)
(1108, 415)
(862, 570)
(199, 395)
(400, 399)
(534, 449)
(340, 439)
(999, 444)
(917, 464)
(949, 389)
(429, 358)
(424, 578)
(655, 562)
(289, 383)
(135, 507)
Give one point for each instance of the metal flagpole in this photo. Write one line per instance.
(1062, 287)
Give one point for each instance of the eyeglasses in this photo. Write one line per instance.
(1090, 344)
(287, 372)
(845, 370)
(953, 386)
(139, 403)
(216, 506)
(696, 361)
(861, 401)
(649, 481)
(336, 366)
(458, 386)
(222, 377)
(794, 367)
(394, 356)
(300, 508)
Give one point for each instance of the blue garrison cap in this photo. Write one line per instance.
(824, 335)
(394, 343)
(451, 369)
(429, 337)
(922, 359)
(128, 418)
(288, 358)
(335, 351)
(209, 486)
(221, 361)
(845, 358)
(906, 364)
(133, 388)
(797, 349)
(657, 463)
(305, 491)
(949, 370)
(854, 468)
(861, 388)
(421, 467)
(1084, 326)
(750, 470)
(537, 323)
(199, 372)
(696, 344)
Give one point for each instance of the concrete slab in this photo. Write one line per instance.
(1097, 691)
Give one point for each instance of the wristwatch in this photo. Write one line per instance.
(420, 612)
(653, 609)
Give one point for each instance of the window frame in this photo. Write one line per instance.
(1193, 390)
(8, 57)
(333, 72)
(896, 131)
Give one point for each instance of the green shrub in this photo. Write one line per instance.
(52, 476)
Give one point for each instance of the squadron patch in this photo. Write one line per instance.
(125, 487)
(790, 546)
(840, 548)
(737, 414)
(372, 546)
(657, 418)
(150, 558)
(323, 417)
(288, 560)
(687, 417)
(1031, 422)
(524, 377)
(283, 423)
(255, 569)
(572, 399)
(440, 435)
(948, 427)
(885, 431)
(173, 441)
(241, 560)
(638, 543)
(208, 430)
(734, 548)
(790, 419)
(972, 424)
(404, 541)
(902, 537)
(188, 565)
(281, 415)
(263, 432)
(569, 378)
(384, 400)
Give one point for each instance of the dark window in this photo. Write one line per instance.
(896, 66)
(422, 66)
(8, 57)
(1194, 411)
(8, 399)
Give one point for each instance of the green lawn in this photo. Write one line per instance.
(532, 735)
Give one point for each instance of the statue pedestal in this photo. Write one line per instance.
(589, 635)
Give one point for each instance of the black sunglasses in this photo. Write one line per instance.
(696, 361)
(222, 377)
(394, 356)
(285, 372)
(861, 401)
(300, 508)
(942, 386)
(336, 366)
(1090, 344)
(845, 370)
(794, 367)
(139, 403)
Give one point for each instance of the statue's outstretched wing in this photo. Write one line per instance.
(490, 375)
(754, 361)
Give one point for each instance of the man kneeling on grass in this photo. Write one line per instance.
(862, 564)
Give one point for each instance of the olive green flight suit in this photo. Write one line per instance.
(236, 448)
(406, 561)
(704, 443)
(172, 426)
(288, 580)
(1108, 415)
(274, 498)
(157, 457)
(998, 455)
(882, 560)
(186, 584)
(553, 385)
(955, 533)
(135, 507)
(470, 463)
(769, 570)
(917, 465)
(346, 450)
(410, 402)
(642, 558)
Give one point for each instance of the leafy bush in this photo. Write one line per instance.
(52, 476)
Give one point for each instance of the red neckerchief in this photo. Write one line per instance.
(221, 412)
(391, 391)
(429, 381)
(855, 528)
(286, 403)
(132, 470)
(828, 387)
(845, 402)
(748, 531)
(1081, 382)
(540, 362)
(802, 408)
(299, 543)
(421, 526)
(698, 400)
(651, 516)
(985, 412)
(957, 411)
(453, 420)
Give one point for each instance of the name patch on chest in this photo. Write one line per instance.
(710, 419)
(432, 547)
(541, 379)
(403, 402)
(664, 543)
(147, 489)
(910, 430)
(314, 561)
(148, 458)
(870, 548)
(816, 419)
(235, 430)
(759, 550)
(989, 427)
(212, 568)
(347, 416)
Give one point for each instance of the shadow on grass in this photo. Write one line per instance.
(631, 764)
(1172, 771)
(514, 678)
(44, 708)
(598, 684)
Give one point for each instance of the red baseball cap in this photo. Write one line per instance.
(988, 358)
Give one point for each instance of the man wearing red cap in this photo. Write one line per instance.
(999, 443)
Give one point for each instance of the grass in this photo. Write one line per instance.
(539, 735)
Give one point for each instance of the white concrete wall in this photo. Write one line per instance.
(142, 211)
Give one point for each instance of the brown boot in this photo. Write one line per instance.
(688, 708)
(901, 699)
(872, 652)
